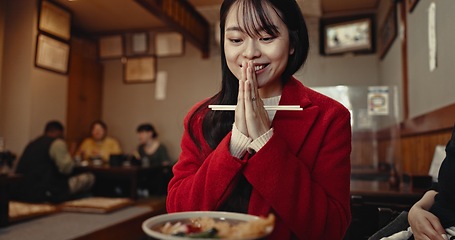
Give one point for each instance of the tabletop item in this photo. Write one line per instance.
(208, 225)
(22, 210)
(96, 204)
(6, 161)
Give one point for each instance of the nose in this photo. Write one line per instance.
(251, 50)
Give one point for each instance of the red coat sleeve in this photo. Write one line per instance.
(202, 178)
(309, 192)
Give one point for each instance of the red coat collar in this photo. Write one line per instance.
(293, 126)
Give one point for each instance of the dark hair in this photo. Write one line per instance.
(98, 122)
(53, 126)
(147, 127)
(216, 124)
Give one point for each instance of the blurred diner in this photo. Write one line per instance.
(150, 150)
(152, 153)
(99, 145)
(46, 168)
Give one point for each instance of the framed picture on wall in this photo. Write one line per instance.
(411, 4)
(169, 44)
(140, 70)
(339, 36)
(110, 46)
(54, 20)
(138, 44)
(387, 31)
(52, 54)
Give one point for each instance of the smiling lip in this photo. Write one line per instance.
(259, 68)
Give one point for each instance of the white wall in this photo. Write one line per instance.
(390, 70)
(427, 90)
(125, 106)
(49, 95)
(29, 96)
(431, 90)
(16, 74)
(358, 70)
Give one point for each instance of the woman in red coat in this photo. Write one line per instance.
(294, 164)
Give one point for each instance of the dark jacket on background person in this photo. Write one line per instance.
(159, 157)
(444, 201)
(41, 180)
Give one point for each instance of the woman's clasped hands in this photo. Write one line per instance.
(251, 118)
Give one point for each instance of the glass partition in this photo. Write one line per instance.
(375, 126)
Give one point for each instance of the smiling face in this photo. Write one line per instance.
(98, 132)
(267, 46)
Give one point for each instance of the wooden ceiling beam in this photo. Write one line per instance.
(184, 18)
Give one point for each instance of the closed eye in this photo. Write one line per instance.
(235, 40)
(267, 39)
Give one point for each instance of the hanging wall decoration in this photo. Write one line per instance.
(54, 20)
(387, 31)
(168, 44)
(140, 70)
(110, 46)
(52, 54)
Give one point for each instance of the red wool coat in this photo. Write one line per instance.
(301, 174)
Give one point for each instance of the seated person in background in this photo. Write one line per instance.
(433, 216)
(99, 145)
(150, 151)
(45, 166)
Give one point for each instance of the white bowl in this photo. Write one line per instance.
(151, 224)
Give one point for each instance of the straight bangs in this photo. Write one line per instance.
(255, 20)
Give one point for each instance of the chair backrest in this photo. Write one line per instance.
(438, 157)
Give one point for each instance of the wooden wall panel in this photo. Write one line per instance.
(85, 87)
(418, 150)
(418, 138)
(362, 154)
(415, 145)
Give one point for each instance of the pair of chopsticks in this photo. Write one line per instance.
(267, 108)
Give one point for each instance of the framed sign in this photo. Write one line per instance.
(110, 46)
(378, 100)
(140, 70)
(411, 4)
(347, 35)
(168, 44)
(54, 20)
(388, 31)
(52, 54)
(139, 44)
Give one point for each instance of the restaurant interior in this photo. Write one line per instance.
(130, 62)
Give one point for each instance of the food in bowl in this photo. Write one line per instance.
(208, 227)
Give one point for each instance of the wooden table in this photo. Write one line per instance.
(121, 224)
(124, 181)
(381, 193)
(5, 181)
(375, 203)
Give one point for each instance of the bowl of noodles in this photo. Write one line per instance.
(208, 225)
